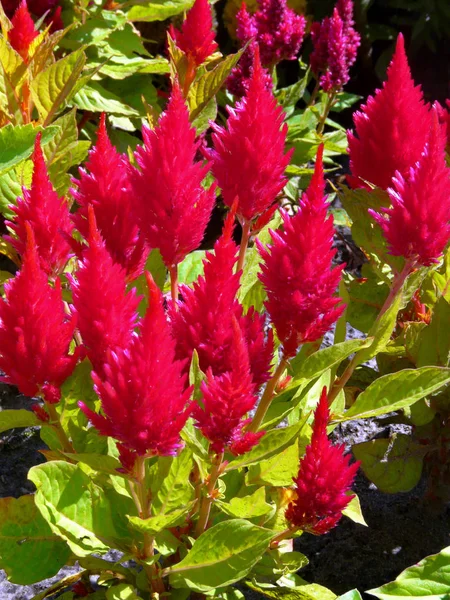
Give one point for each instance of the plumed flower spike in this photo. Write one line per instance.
(172, 205)
(145, 400)
(248, 156)
(107, 314)
(296, 270)
(324, 478)
(48, 216)
(104, 184)
(23, 31)
(417, 226)
(391, 129)
(35, 331)
(196, 37)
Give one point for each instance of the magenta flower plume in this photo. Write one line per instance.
(417, 226)
(206, 326)
(172, 205)
(296, 270)
(248, 156)
(37, 7)
(324, 478)
(196, 37)
(145, 400)
(35, 331)
(391, 128)
(23, 31)
(104, 185)
(444, 119)
(239, 79)
(107, 314)
(48, 216)
(226, 400)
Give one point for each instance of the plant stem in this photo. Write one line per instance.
(205, 507)
(189, 77)
(326, 110)
(266, 398)
(56, 424)
(244, 243)
(283, 535)
(173, 272)
(314, 94)
(397, 285)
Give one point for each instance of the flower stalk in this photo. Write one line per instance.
(244, 245)
(267, 396)
(205, 506)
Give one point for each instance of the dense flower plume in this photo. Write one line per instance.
(248, 156)
(143, 391)
(206, 326)
(296, 270)
(104, 184)
(323, 480)
(196, 37)
(23, 31)
(239, 79)
(444, 118)
(226, 400)
(335, 47)
(417, 226)
(173, 207)
(107, 314)
(35, 331)
(391, 129)
(37, 7)
(48, 216)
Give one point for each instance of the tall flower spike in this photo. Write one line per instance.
(296, 270)
(172, 205)
(391, 128)
(107, 314)
(239, 79)
(104, 184)
(196, 37)
(35, 331)
(418, 224)
(23, 31)
(324, 478)
(248, 156)
(142, 390)
(48, 216)
(206, 326)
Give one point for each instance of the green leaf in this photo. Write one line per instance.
(169, 481)
(98, 462)
(351, 595)
(122, 591)
(434, 341)
(307, 591)
(11, 184)
(345, 100)
(29, 550)
(17, 143)
(191, 267)
(154, 525)
(221, 556)
(76, 509)
(52, 88)
(248, 507)
(17, 418)
(277, 471)
(393, 465)
(397, 390)
(271, 443)
(157, 10)
(353, 511)
(66, 136)
(428, 580)
(96, 98)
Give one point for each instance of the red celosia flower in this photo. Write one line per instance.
(226, 400)
(391, 128)
(418, 224)
(324, 478)
(444, 118)
(297, 273)
(48, 216)
(23, 31)
(107, 314)
(143, 390)
(248, 156)
(173, 207)
(55, 20)
(206, 326)
(104, 184)
(239, 79)
(37, 7)
(35, 331)
(196, 37)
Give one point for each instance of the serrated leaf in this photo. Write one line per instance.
(17, 418)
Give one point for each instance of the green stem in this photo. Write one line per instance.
(205, 507)
(327, 108)
(266, 398)
(244, 244)
(312, 100)
(283, 535)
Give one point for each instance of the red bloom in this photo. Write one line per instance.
(55, 20)
(323, 480)
(206, 326)
(23, 31)
(35, 331)
(107, 314)
(418, 224)
(173, 207)
(297, 273)
(196, 37)
(444, 118)
(239, 79)
(48, 216)
(248, 157)
(226, 400)
(391, 128)
(142, 389)
(104, 184)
